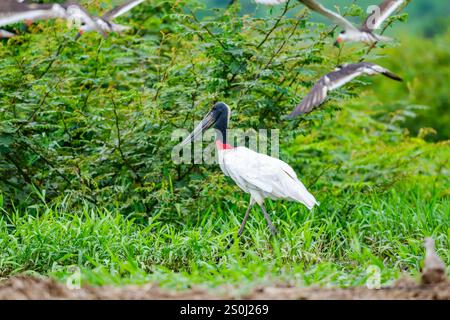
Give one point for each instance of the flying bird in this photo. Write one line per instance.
(257, 174)
(434, 270)
(339, 77)
(351, 33)
(13, 11)
(106, 21)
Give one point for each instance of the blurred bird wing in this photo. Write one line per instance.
(76, 11)
(380, 14)
(317, 7)
(344, 75)
(371, 68)
(314, 98)
(271, 2)
(33, 15)
(119, 27)
(6, 34)
(334, 80)
(10, 5)
(333, 16)
(122, 9)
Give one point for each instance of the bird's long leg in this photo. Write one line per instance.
(266, 215)
(250, 206)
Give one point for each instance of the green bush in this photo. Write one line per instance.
(424, 63)
(91, 121)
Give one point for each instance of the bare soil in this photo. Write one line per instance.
(24, 288)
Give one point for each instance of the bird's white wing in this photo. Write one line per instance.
(76, 11)
(14, 17)
(319, 92)
(372, 68)
(337, 79)
(271, 2)
(333, 16)
(380, 13)
(275, 178)
(314, 98)
(122, 9)
(6, 34)
(343, 77)
(315, 6)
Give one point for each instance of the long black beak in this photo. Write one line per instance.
(207, 122)
(393, 76)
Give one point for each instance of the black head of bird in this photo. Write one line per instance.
(217, 117)
(340, 39)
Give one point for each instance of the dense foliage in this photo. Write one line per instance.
(85, 144)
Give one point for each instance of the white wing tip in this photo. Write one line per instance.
(270, 2)
(309, 200)
(314, 204)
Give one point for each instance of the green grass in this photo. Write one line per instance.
(332, 245)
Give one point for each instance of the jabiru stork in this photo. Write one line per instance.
(336, 79)
(365, 32)
(106, 21)
(259, 175)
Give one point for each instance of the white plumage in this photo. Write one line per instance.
(6, 34)
(106, 21)
(12, 11)
(270, 2)
(263, 177)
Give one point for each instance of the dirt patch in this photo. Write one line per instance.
(20, 288)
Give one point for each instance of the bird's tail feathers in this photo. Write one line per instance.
(304, 196)
(309, 201)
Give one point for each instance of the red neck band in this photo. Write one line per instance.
(222, 146)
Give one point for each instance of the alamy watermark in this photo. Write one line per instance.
(203, 150)
(73, 281)
(373, 277)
